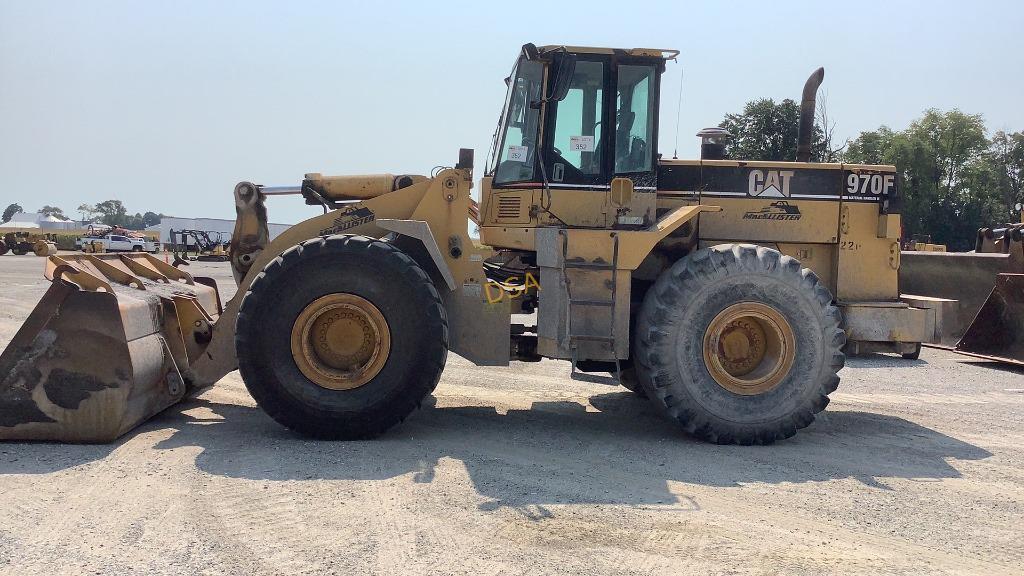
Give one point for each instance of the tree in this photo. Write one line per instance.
(1006, 157)
(151, 218)
(86, 211)
(946, 175)
(10, 211)
(113, 212)
(53, 211)
(768, 131)
(135, 222)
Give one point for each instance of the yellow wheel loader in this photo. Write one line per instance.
(728, 292)
(20, 243)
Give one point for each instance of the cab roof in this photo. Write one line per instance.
(667, 54)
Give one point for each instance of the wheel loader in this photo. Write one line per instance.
(21, 243)
(727, 292)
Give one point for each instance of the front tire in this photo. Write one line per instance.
(739, 344)
(341, 337)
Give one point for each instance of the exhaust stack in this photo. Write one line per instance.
(807, 103)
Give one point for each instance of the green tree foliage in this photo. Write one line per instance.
(1007, 161)
(135, 222)
(86, 211)
(767, 130)
(10, 211)
(151, 218)
(953, 178)
(53, 211)
(112, 212)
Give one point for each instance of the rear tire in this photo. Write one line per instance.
(359, 269)
(915, 355)
(681, 312)
(630, 381)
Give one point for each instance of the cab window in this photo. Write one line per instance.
(634, 119)
(516, 141)
(578, 145)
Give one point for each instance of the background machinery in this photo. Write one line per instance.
(726, 291)
(20, 243)
(983, 290)
(208, 245)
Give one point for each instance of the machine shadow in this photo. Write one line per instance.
(561, 453)
(882, 361)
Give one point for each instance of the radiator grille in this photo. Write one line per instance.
(508, 207)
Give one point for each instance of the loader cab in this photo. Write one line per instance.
(575, 119)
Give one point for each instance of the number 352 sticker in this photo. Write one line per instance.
(517, 153)
(581, 143)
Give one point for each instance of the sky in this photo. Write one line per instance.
(166, 105)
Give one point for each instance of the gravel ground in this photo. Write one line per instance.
(916, 467)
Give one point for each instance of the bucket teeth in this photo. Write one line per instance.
(108, 346)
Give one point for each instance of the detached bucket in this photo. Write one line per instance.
(998, 330)
(106, 348)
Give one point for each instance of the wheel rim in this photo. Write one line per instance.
(340, 341)
(749, 348)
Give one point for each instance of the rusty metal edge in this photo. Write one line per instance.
(974, 355)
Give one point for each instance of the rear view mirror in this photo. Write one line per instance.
(621, 191)
(563, 66)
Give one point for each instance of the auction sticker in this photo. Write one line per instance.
(581, 143)
(518, 153)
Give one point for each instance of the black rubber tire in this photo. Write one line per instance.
(374, 270)
(3, 248)
(136, 248)
(915, 355)
(18, 252)
(631, 381)
(676, 313)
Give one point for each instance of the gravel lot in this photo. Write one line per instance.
(916, 467)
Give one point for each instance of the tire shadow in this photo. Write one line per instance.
(561, 452)
(617, 450)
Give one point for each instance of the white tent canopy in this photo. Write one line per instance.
(12, 224)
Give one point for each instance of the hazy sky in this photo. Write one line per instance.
(166, 105)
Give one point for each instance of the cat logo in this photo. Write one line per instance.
(769, 183)
(780, 210)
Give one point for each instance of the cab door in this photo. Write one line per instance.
(636, 138)
(576, 160)
(604, 128)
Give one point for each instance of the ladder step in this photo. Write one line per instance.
(592, 302)
(591, 338)
(589, 265)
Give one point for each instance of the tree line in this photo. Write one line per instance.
(954, 176)
(110, 212)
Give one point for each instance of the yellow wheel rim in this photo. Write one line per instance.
(340, 341)
(749, 348)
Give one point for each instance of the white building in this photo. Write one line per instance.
(216, 225)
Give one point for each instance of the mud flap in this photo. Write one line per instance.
(997, 332)
(106, 348)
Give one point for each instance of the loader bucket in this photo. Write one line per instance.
(966, 277)
(107, 347)
(997, 332)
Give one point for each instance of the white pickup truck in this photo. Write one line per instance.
(118, 243)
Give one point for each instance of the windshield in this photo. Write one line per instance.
(514, 151)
